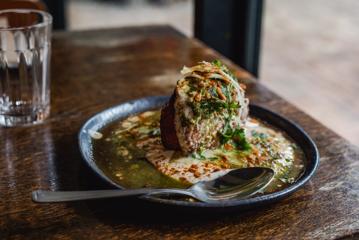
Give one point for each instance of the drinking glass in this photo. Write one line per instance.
(25, 46)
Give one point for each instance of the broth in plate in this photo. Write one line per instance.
(131, 153)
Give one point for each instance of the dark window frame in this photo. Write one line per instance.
(232, 27)
(57, 9)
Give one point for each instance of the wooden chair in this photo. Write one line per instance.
(232, 27)
(55, 7)
(29, 4)
(17, 20)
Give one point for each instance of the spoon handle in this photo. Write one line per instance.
(43, 196)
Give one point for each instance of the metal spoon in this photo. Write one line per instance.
(236, 184)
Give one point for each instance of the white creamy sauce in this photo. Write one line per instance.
(139, 158)
(216, 162)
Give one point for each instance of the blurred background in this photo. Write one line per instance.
(309, 48)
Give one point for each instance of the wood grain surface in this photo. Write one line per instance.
(94, 70)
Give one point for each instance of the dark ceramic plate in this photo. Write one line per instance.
(121, 111)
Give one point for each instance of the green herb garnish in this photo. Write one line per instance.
(236, 136)
(239, 139)
(209, 106)
(198, 155)
(212, 105)
(219, 64)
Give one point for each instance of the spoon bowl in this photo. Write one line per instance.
(236, 184)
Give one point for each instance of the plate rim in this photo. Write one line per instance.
(262, 199)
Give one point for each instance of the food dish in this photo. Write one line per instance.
(124, 146)
(87, 139)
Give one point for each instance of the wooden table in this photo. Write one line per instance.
(94, 70)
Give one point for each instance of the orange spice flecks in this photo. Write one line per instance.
(191, 170)
(196, 174)
(225, 165)
(251, 159)
(198, 97)
(228, 146)
(261, 159)
(253, 120)
(220, 93)
(194, 166)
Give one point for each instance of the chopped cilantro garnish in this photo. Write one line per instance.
(217, 63)
(209, 106)
(198, 155)
(212, 105)
(236, 136)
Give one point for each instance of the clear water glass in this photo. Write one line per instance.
(25, 49)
